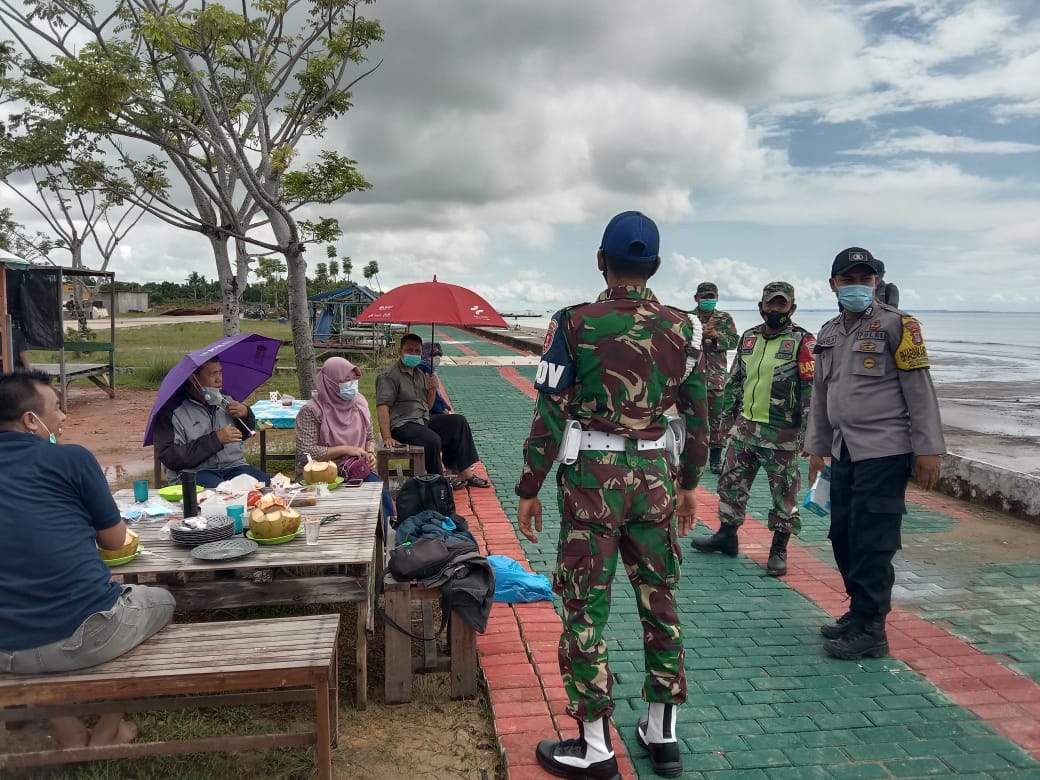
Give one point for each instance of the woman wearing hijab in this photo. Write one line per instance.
(336, 425)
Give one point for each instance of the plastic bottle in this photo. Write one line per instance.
(818, 499)
(189, 498)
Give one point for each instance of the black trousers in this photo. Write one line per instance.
(868, 501)
(444, 433)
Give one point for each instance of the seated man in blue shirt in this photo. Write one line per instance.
(59, 608)
(202, 429)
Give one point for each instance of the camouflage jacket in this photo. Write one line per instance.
(715, 349)
(768, 392)
(617, 365)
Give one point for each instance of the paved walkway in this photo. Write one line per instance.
(959, 698)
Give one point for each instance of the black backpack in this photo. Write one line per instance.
(427, 491)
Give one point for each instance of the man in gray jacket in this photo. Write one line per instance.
(202, 429)
(875, 414)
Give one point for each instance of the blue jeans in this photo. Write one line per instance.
(210, 478)
(388, 503)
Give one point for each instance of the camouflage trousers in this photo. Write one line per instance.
(717, 437)
(739, 470)
(586, 563)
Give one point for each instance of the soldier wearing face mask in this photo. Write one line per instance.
(876, 416)
(718, 336)
(203, 429)
(766, 403)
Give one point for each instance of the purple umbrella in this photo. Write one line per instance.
(247, 361)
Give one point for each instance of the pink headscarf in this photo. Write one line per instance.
(342, 421)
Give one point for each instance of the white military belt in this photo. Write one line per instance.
(614, 442)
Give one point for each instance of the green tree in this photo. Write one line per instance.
(372, 272)
(348, 266)
(227, 96)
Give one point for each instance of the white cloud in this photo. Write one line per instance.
(918, 140)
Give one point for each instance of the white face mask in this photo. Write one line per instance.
(211, 395)
(348, 390)
(51, 438)
(435, 361)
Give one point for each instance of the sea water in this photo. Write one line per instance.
(964, 346)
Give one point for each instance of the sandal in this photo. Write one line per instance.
(479, 482)
(457, 484)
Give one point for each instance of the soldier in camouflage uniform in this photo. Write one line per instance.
(767, 403)
(614, 367)
(719, 336)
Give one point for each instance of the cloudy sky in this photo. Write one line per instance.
(762, 135)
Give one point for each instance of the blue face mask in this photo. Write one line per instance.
(348, 390)
(855, 297)
(411, 360)
(707, 304)
(51, 438)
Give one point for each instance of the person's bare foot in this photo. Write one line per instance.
(109, 731)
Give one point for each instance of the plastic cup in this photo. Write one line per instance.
(236, 512)
(312, 529)
(140, 490)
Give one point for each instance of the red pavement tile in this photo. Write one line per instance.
(969, 698)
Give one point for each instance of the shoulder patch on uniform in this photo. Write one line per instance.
(807, 358)
(556, 370)
(911, 353)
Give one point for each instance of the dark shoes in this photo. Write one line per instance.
(723, 541)
(838, 627)
(664, 756)
(864, 638)
(474, 481)
(715, 460)
(589, 757)
(776, 566)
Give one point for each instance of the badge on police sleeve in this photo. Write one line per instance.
(911, 353)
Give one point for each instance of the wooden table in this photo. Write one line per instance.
(350, 544)
(277, 416)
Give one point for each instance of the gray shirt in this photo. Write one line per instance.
(186, 438)
(404, 392)
(872, 389)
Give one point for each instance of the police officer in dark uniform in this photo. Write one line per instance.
(875, 414)
(609, 372)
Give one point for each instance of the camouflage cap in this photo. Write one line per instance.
(774, 289)
(707, 287)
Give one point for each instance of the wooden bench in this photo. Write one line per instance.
(242, 662)
(401, 665)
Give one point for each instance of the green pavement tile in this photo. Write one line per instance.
(894, 717)
(754, 759)
(787, 725)
(725, 686)
(977, 762)
(930, 747)
(701, 762)
(737, 774)
(772, 741)
(715, 744)
(982, 744)
(833, 737)
(1018, 757)
(918, 767)
(874, 751)
(911, 702)
(747, 712)
(778, 683)
(798, 772)
(858, 772)
(695, 712)
(764, 697)
(806, 757)
(795, 708)
(740, 727)
(841, 720)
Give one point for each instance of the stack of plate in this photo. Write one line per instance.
(217, 528)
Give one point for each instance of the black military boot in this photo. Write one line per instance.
(656, 733)
(589, 757)
(864, 638)
(723, 541)
(838, 627)
(776, 566)
(715, 459)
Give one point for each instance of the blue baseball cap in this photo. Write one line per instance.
(631, 236)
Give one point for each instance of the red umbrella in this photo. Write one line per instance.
(435, 302)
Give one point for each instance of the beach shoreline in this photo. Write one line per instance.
(994, 422)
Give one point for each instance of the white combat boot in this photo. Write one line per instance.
(590, 757)
(656, 733)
